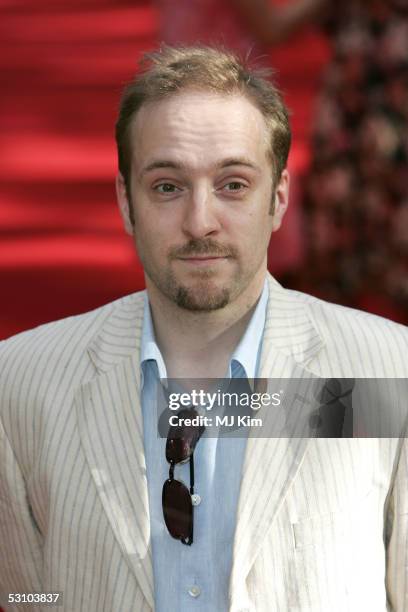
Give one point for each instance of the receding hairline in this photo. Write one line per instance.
(269, 122)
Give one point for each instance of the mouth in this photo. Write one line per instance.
(201, 258)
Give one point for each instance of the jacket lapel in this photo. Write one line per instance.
(111, 430)
(271, 463)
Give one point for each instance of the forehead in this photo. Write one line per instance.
(198, 129)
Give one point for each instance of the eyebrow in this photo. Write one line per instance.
(224, 163)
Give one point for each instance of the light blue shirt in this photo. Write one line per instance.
(196, 578)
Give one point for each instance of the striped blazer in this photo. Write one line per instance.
(322, 524)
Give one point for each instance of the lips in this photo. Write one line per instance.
(209, 259)
(206, 258)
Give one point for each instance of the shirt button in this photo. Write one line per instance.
(194, 591)
(195, 499)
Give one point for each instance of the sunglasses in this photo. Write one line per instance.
(176, 497)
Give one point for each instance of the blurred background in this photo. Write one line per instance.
(343, 71)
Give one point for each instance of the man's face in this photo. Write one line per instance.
(202, 196)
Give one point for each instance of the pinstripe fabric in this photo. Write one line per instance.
(310, 534)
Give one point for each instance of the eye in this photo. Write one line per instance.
(166, 188)
(234, 188)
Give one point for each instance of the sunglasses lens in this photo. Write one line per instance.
(182, 438)
(177, 509)
(177, 450)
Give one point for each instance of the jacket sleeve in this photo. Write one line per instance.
(396, 536)
(21, 555)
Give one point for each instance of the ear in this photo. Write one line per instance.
(281, 200)
(123, 203)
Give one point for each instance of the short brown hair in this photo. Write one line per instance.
(172, 69)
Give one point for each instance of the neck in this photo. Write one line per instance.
(200, 344)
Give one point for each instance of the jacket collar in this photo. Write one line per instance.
(120, 335)
(290, 329)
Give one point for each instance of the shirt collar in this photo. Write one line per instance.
(245, 356)
(247, 352)
(149, 349)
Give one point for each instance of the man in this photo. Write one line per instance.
(279, 523)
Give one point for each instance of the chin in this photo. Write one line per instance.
(202, 300)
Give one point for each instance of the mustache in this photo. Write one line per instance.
(206, 247)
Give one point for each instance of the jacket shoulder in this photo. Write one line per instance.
(59, 344)
(359, 342)
(90, 320)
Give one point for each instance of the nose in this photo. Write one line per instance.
(200, 215)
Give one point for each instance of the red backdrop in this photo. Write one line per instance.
(63, 250)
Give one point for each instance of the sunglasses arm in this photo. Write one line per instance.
(189, 541)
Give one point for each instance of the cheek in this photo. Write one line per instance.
(258, 236)
(153, 239)
(156, 223)
(256, 228)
